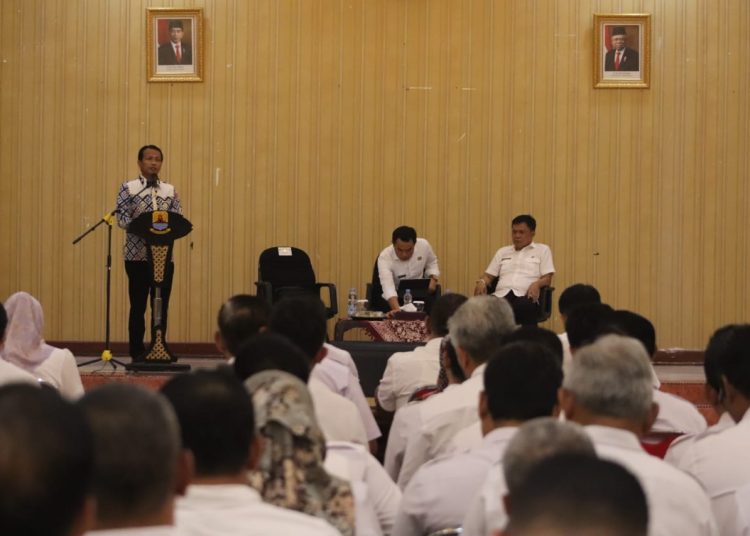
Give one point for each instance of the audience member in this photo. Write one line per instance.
(25, 347)
(476, 330)
(290, 473)
(522, 270)
(408, 257)
(46, 464)
(302, 320)
(609, 390)
(217, 423)
(240, 317)
(139, 467)
(407, 371)
(520, 383)
(587, 322)
(578, 494)
(9, 373)
(271, 351)
(721, 461)
(675, 414)
(714, 394)
(471, 436)
(534, 441)
(570, 298)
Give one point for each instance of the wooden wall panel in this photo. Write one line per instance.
(326, 123)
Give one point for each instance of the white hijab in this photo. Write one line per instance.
(24, 345)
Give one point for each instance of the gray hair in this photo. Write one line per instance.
(612, 377)
(137, 444)
(539, 439)
(479, 325)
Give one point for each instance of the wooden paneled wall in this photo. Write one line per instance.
(326, 123)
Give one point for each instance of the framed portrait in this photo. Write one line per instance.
(622, 50)
(174, 44)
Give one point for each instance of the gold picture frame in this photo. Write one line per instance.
(174, 44)
(622, 50)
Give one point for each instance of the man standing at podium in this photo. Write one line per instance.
(132, 201)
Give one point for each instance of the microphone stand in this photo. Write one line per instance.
(106, 355)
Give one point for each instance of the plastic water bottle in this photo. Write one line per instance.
(352, 306)
(407, 297)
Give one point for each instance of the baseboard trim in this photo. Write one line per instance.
(120, 349)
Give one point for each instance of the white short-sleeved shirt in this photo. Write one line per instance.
(337, 416)
(677, 415)
(335, 371)
(439, 418)
(407, 371)
(721, 463)
(235, 509)
(676, 502)
(423, 263)
(441, 491)
(376, 496)
(518, 269)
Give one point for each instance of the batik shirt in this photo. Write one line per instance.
(162, 197)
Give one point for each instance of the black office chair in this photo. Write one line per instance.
(545, 299)
(285, 271)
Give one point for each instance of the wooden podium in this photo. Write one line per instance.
(159, 229)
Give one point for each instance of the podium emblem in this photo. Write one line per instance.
(159, 222)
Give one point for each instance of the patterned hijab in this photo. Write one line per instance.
(24, 345)
(290, 473)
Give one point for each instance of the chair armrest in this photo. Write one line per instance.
(333, 307)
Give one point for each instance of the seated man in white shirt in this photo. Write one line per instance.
(46, 464)
(139, 466)
(476, 331)
(217, 424)
(535, 441)
(570, 298)
(523, 269)
(243, 316)
(714, 391)
(676, 415)
(721, 461)
(520, 383)
(408, 257)
(302, 320)
(578, 494)
(609, 391)
(407, 371)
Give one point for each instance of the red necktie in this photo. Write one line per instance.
(178, 53)
(617, 60)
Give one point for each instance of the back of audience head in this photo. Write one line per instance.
(545, 337)
(302, 319)
(450, 369)
(138, 464)
(271, 351)
(578, 494)
(576, 295)
(239, 318)
(717, 345)
(216, 419)
(588, 322)
(637, 326)
(443, 308)
(611, 379)
(539, 439)
(46, 464)
(520, 383)
(478, 326)
(733, 357)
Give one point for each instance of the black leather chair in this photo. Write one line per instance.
(285, 271)
(545, 300)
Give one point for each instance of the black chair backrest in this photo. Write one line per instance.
(293, 270)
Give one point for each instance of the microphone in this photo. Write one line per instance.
(152, 181)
